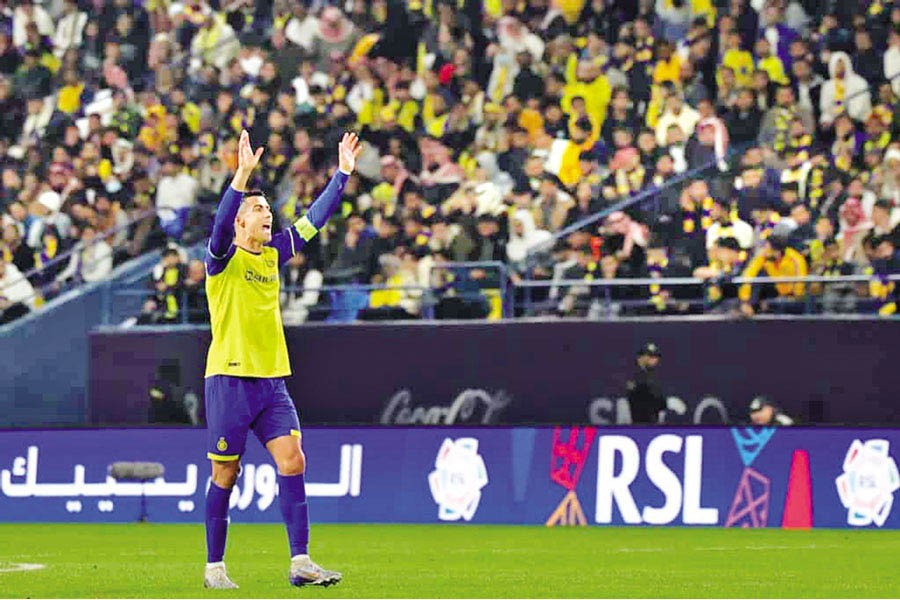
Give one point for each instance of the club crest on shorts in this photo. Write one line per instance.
(221, 445)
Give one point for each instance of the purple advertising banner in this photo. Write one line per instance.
(520, 373)
(697, 476)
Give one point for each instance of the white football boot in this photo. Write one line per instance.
(305, 572)
(217, 579)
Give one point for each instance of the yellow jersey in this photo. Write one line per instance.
(243, 288)
(245, 314)
(791, 264)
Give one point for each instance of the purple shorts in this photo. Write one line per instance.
(235, 405)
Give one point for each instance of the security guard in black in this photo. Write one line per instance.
(644, 395)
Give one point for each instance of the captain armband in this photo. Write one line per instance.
(306, 229)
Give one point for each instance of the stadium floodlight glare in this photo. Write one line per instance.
(137, 471)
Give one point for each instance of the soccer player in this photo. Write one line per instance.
(248, 357)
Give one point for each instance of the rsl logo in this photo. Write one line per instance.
(867, 485)
(221, 445)
(458, 477)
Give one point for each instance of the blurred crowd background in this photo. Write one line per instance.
(716, 139)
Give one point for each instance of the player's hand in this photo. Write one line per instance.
(348, 150)
(247, 158)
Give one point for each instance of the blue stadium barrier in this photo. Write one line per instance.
(44, 355)
(526, 372)
(711, 477)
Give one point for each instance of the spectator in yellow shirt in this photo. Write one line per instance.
(578, 113)
(582, 137)
(586, 79)
(395, 300)
(769, 62)
(668, 65)
(69, 98)
(777, 259)
(738, 60)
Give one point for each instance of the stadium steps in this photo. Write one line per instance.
(44, 355)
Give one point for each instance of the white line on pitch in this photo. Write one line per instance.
(16, 567)
(726, 548)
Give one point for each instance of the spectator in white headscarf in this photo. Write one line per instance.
(92, 262)
(524, 237)
(16, 294)
(845, 91)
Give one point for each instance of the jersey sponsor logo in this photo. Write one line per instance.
(254, 277)
(221, 445)
(233, 363)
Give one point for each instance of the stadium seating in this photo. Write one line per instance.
(616, 161)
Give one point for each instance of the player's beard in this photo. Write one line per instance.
(264, 235)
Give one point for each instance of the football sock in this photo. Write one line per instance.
(216, 522)
(295, 510)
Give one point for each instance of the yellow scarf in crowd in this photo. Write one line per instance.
(839, 91)
(689, 220)
(69, 100)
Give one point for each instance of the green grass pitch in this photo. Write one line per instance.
(462, 561)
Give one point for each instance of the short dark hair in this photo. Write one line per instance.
(884, 205)
(254, 193)
(778, 243)
(413, 188)
(882, 239)
(729, 243)
(584, 124)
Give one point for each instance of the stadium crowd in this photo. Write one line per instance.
(754, 137)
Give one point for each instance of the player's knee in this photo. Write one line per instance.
(292, 464)
(225, 474)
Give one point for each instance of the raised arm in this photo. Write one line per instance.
(291, 240)
(223, 226)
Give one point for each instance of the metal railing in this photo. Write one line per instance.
(119, 304)
(642, 196)
(598, 295)
(37, 274)
(532, 298)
